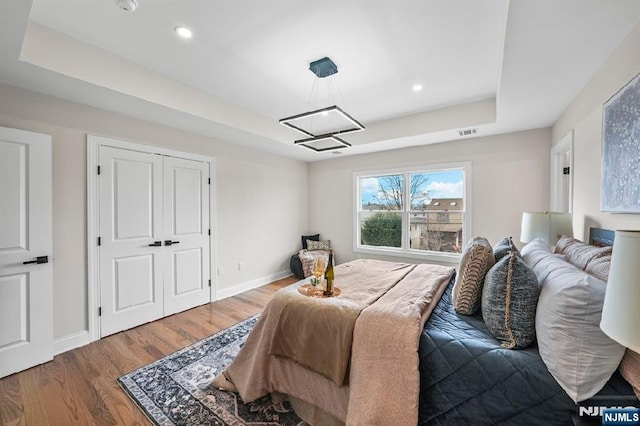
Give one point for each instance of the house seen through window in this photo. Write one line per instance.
(412, 212)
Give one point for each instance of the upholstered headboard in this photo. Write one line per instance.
(601, 237)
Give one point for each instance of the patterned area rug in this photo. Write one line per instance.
(175, 390)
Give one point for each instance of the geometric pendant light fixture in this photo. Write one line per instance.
(322, 127)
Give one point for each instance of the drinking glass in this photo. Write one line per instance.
(318, 270)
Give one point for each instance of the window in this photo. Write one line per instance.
(419, 212)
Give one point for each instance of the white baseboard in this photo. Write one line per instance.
(82, 338)
(71, 341)
(250, 285)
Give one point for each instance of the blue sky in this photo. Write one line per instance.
(441, 184)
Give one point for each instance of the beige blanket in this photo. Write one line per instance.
(383, 379)
(317, 333)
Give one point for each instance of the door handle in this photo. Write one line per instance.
(39, 260)
(155, 244)
(169, 242)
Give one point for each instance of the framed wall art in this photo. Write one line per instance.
(620, 180)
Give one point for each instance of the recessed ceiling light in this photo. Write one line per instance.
(183, 32)
(416, 87)
(127, 5)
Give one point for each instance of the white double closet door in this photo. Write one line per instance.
(154, 236)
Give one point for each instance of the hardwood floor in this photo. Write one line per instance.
(79, 387)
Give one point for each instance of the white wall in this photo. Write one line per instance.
(510, 175)
(262, 203)
(584, 115)
(258, 193)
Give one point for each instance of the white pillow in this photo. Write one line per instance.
(536, 248)
(577, 353)
(534, 253)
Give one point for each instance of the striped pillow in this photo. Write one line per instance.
(477, 258)
(578, 253)
(308, 256)
(630, 370)
(564, 242)
(599, 267)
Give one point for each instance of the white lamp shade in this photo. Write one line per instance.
(621, 309)
(546, 225)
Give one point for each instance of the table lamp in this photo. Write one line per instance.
(621, 309)
(549, 226)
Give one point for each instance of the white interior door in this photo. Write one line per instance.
(131, 252)
(561, 190)
(564, 188)
(186, 229)
(26, 284)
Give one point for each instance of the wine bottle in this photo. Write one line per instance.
(328, 276)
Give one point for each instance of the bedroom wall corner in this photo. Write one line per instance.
(262, 199)
(510, 174)
(584, 116)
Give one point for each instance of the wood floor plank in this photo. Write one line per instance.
(79, 387)
(102, 374)
(125, 357)
(68, 398)
(153, 344)
(172, 337)
(93, 361)
(11, 408)
(237, 309)
(31, 391)
(214, 320)
(195, 328)
(121, 407)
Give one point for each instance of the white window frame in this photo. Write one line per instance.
(404, 251)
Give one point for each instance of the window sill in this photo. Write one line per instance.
(452, 258)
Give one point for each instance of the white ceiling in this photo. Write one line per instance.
(497, 65)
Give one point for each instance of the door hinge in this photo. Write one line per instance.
(99, 240)
(209, 283)
(209, 181)
(566, 170)
(98, 169)
(209, 231)
(100, 311)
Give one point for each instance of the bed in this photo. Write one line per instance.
(467, 378)
(453, 369)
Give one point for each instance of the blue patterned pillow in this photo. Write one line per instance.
(503, 248)
(509, 301)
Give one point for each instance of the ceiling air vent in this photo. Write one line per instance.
(467, 132)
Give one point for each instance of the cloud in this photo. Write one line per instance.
(369, 185)
(445, 189)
